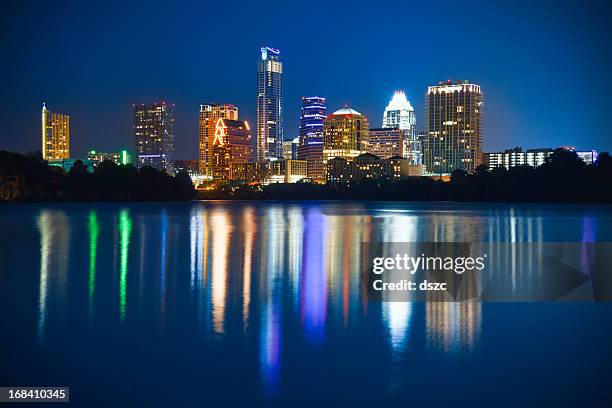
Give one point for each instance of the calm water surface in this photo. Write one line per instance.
(262, 303)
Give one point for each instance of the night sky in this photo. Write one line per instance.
(544, 66)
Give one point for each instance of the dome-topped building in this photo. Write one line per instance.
(345, 135)
(346, 111)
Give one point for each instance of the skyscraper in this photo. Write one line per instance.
(209, 114)
(399, 113)
(290, 148)
(154, 135)
(269, 105)
(55, 135)
(345, 135)
(231, 145)
(310, 147)
(453, 127)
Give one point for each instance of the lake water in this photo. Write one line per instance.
(261, 303)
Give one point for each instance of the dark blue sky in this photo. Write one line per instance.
(544, 66)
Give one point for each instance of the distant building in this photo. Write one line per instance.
(530, 157)
(55, 135)
(271, 171)
(399, 113)
(209, 114)
(66, 164)
(368, 166)
(154, 135)
(269, 105)
(290, 148)
(310, 147)
(386, 143)
(232, 145)
(121, 157)
(588, 156)
(190, 167)
(453, 127)
(345, 135)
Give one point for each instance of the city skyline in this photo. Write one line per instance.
(517, 66)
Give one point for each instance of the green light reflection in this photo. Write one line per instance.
(94, 230)
(125, 228)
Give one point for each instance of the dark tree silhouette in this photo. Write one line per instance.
(31, 178)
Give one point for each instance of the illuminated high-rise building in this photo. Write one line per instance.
(399, 113)
(345, 135)
(385, 143)
(290, 148)
(453, 127)
(154, 135)
(310, 147)
(209, 115)
(231, 145)
(269, 105)
(55, 135)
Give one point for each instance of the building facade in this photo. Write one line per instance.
(270, 171)
(290, 148)
(530, 157)
(269, 105)
(121, 157)
(386, 142)
(154, 135)
(208, 117)
(312, 116)
(190, 167)
(453, 127)
(345, 135)
(368, 166)
(400, 114)
(55, 135)
(232, 144)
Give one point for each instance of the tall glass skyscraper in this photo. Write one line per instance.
(400, 114)
(311, 136)
(154, 135)
(269, 105)
(453, 127)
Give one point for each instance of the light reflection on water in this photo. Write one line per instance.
(250, 268)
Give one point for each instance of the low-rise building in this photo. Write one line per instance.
(270, 171)
(368, 166)
(531, 157)
(121, 157)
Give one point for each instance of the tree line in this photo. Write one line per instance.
(564, 177)
(29, 178)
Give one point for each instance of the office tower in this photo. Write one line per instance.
(345, 135)
(269, 105)
(209, 115)
(386, 143)
(453, 127)
(55, 135)
(399, 113)
(232, 144)
(154, 135)
(290, 148)
(310, 147)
